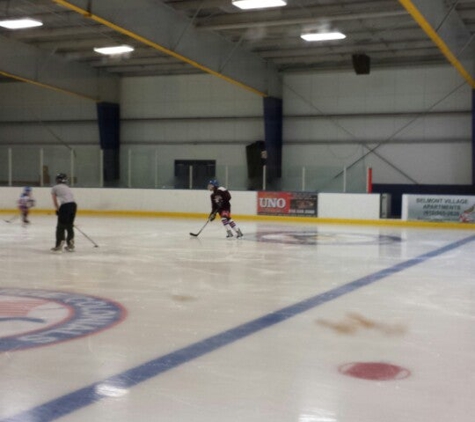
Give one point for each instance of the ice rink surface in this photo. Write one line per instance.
(295, 322)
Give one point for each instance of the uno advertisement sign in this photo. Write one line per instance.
(287, 203)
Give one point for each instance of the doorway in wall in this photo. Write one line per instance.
(194, 174)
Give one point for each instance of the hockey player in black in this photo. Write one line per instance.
(220, 204)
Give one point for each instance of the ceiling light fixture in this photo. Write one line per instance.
(258, 4)
(111, 51)
(20, 23)
(323, 36)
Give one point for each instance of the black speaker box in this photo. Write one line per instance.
(361, 64)
(254, 159)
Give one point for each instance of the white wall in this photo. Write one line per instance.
(160, 201)
(34, 118)
(331, 120)
(186, 202)
(192, 117)
(355, 206)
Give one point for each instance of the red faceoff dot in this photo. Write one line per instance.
(375, 371)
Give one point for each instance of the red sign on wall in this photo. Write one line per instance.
(273, 202)
(286, 203)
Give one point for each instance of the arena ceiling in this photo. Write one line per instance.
(183, 36)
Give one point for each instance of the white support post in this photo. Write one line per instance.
(264, 177)
(303, 179)
(42, 162)
(72, 167)
(129, 169)
(10, 168)
(156, 169)
(344, 179)
(226, 178)
(101, 168)
(190, 180)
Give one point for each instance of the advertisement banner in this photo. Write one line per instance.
(441, 208)
(287, 203)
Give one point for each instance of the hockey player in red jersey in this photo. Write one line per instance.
(220, 204)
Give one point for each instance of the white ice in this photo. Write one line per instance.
(188, 298)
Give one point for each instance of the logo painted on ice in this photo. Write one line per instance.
(322, 238)
(33, 318)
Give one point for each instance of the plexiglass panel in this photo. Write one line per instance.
(144, 168)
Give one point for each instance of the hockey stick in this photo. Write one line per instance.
(87, 237)
(13, 218)
(197, 234)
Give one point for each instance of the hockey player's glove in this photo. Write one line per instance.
(212, 216)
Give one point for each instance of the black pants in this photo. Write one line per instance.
(66, 216)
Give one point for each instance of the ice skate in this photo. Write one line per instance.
(238, 233)
(58, 248)
(70, 246)
(230, 234)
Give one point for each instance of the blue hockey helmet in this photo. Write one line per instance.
(213, 182)
(26, 189)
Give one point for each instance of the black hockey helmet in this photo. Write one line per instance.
(61, 178)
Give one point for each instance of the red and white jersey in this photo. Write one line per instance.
(220, 199)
